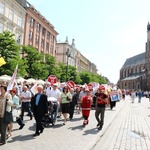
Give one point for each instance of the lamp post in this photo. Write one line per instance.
(68, 55)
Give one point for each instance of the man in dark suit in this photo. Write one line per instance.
(39, 108)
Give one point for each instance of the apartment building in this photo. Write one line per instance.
(39, 32)
(12, 18)
(65, 51)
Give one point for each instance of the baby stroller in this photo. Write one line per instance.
(52, 112)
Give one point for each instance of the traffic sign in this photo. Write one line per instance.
(52, 79)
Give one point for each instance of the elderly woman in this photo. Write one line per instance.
(5, 102)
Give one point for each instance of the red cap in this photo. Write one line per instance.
(13, 90)
(101, 88)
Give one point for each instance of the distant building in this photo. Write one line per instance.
(39, 32)
(135, 73)
(12, 18)
(132, 73)
(75, 58)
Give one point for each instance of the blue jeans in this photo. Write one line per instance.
(139, 100)
(25, 107)
(54, 113)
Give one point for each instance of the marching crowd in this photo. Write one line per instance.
(20, 99)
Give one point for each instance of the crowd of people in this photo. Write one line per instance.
(21, 99)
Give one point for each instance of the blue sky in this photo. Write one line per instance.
(106, 32)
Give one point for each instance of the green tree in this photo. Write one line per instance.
(73, 75)
(50, 65)
(62, 72)
(9, 50)
(36, 67)
(85, 77)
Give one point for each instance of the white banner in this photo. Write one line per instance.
(11, 83)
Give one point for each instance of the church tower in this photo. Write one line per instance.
(147, 58)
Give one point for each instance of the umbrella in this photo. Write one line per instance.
(20, 79)
(5, 78)
(40, 82)
(30, 80)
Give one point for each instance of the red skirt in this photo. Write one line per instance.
(86, 113)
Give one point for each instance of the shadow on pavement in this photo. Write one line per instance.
(32, 128)
(75, 119)
(91, 131)
(55, 126)
(79, 127)
(21, 138)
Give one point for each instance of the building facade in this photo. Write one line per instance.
(39, 32)
(75, 58)
(132, 74)
(12, 18)
(65, 53)
(137, 74)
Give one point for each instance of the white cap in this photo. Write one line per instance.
(55, 84)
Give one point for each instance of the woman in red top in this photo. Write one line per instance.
(86, 106)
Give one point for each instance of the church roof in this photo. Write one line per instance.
(134, 61)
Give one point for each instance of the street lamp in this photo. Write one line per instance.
(68, 55)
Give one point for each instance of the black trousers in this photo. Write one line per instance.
(39, 125)
(71, 110)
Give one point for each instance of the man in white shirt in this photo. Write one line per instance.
(25, 99)
(48, 89)
(56, 94)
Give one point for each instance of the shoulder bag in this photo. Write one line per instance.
(7, 115)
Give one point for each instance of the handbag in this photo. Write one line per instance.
(15, 113)
(68, 98)
(7, 116)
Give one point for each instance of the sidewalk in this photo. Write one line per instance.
(130, 130)
(71, 136)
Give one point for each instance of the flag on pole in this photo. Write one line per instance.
(34, 89)
(2, 61)
(11, 83)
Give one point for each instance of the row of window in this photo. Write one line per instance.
(42, 42)
(10, 15)
(38, 26)
(37, 36)
(18, 36)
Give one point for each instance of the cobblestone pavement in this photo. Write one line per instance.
(75, 137)
(130, 130)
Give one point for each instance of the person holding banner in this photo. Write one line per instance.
(101, 102)
(112, 97)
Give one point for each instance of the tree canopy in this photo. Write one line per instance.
(33, 64)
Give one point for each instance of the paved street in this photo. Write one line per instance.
(129, 130)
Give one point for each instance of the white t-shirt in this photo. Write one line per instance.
(55, 93)
(26, 94)
(47, 91)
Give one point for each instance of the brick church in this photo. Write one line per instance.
(135, 73)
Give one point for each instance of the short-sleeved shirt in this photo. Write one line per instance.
(26, 94)
(64, 98)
